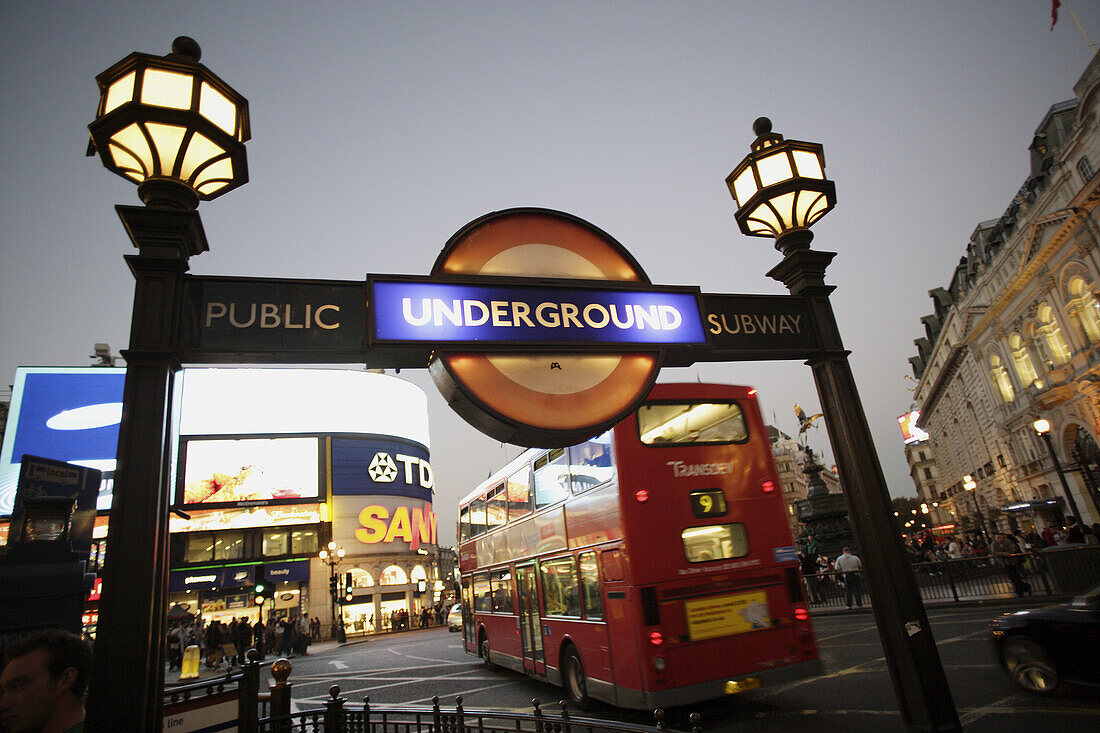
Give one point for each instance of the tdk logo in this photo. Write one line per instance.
(383, 469)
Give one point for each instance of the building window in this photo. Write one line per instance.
(276, 542)
(1085, 308)
(393, 575)
(1084, 167)
(1051, 334)
(928, 473)
(303, 542)
(200, 547)
(229, 546)
(999, 375)
(1021, 359)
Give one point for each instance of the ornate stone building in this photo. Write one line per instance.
(790, 460)
(1014, 337)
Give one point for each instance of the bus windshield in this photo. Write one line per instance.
(694, 423)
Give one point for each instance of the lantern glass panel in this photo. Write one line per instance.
(817, 209)
(744, 186)
(768, 223)
(785, 207)
(216, 176)
(216, 107)
(199, 150)
(808, 164)
(166, 139)
(127, 163)
(774, 168)
(119, 93)
(166, 89)
(131, 139)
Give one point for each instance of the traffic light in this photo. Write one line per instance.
(264, 591)
(332, 585)
(349, 587)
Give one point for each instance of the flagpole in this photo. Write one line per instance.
(1079, 26)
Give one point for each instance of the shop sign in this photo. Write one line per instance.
(239, 600)
(285, 571)
(409, 525)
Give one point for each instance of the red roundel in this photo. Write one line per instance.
(541, 400)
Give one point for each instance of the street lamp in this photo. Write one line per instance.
(781, 190)
(1042, 427)
(332, 557)
(969, 484)
(178, 131)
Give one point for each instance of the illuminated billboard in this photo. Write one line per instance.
(248, 471)
(66, 414)
(910, 433)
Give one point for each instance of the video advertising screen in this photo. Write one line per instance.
(252, 471)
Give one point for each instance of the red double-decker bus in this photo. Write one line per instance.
(649, 567)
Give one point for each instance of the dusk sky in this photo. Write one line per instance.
(381, 128)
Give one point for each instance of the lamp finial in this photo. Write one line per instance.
(762, 126)
(187, 47)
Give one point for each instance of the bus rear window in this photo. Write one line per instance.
(715, 542)
(691, 423)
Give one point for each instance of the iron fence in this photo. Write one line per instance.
(1051, 572)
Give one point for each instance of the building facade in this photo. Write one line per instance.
(1014, 337)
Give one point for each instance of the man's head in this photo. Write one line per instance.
(44, 679)
(847, 550)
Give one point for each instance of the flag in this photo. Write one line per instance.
(1054, 5)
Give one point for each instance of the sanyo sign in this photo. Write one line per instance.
(407, 524)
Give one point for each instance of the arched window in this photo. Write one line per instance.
(1085, 308)
(393, 575)
(1052, 336)
(418, 574)
(999, 375)
(362, 578)
(1021, 359)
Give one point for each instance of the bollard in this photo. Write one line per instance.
(189, 667)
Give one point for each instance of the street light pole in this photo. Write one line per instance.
(969, 484)
(178, 131)
(1042, 427)
(781, 190)
(332, 557)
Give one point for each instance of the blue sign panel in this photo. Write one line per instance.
(381, 466)
(785, 554)
(65, 414)
(202, 579)
(450, 312)
(278, 572)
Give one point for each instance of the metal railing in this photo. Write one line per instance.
(1053, 572)
(334, 717)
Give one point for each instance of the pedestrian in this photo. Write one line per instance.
(1005, 551)
(175, 656)
(850, 567)
(954, 549)
(43, 681)
(269, 635)
(259, 638)
(302, 634)
(287, 625)
(243, 640)
(1075, 533)
(212, 640)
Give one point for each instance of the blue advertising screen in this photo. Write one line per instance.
(381, 466)
(434, 311)
(66, 414)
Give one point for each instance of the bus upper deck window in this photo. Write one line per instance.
(691, 423)
(551, 478)
(519, 492)
(464, 524)
(496, 510)
(590, 463)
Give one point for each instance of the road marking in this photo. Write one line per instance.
(339, 665)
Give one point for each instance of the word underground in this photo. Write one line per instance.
(518, 314)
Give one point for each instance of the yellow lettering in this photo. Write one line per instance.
(400, 526)
(373, 527)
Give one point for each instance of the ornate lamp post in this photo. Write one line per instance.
(969, 484)
(1042, 427)
(332, 557)
(781, 190)
(178, 131)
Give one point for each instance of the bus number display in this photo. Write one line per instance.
(708, 503)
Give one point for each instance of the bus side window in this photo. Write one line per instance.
(590, 463)
(500, 584)
(519, 493)
(496, 510)
(482, 601)
(477, 517)
(590, 586)
(551, 478)
(559, 586)
(464, 524)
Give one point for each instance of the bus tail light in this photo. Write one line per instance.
(801, 614)
(641, 496)
(767, 486)
(656, 638)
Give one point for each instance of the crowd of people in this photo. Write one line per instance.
(926, 547)
(227, 643)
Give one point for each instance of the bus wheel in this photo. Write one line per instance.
(486, 657)
(576, 687)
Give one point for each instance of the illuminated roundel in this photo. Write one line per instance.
(551, 399)
(382, 468)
